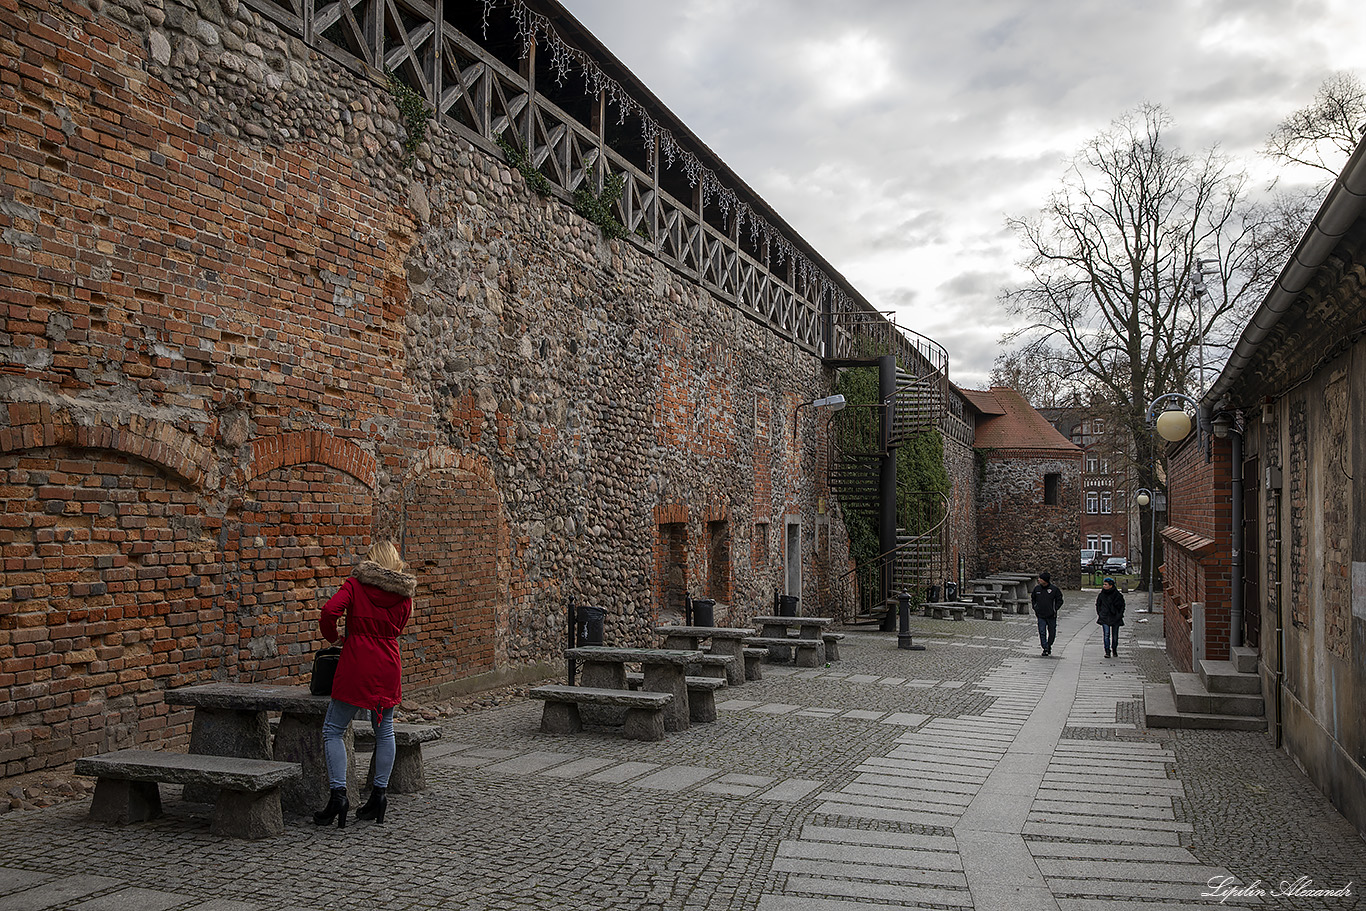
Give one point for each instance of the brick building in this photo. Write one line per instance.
(1109, 518)
(1028, 489)
(1267, 525)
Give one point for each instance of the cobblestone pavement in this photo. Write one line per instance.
(974, 774)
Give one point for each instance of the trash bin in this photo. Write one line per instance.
(703, 611)
(950, 591)
(932, 593)
(590, 625)
(787, 605)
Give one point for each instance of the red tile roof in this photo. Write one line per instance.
(1009, 422)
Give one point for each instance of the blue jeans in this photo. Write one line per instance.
(1111, 636)
(1048, 631)
(339, 715)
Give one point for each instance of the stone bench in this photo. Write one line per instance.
(701, 694)
(946, 610)
(754, 663)
(710, 665)
(987, 611)
(810, 652)
(832, 645)
(248, 801)
(644, 711)
(409, 775)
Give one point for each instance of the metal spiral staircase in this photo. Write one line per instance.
(864, 439)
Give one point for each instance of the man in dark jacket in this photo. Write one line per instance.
(1046, 598)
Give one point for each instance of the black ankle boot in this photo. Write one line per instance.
(374, 807)
(337, 805)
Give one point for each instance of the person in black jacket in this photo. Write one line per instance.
(1046, 598)
(1110, 615)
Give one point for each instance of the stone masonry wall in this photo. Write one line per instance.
(240, 343)
(1017, 531)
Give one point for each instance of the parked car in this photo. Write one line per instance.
(1089, 559)
(1116, 564)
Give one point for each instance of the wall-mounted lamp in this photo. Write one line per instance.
(1223, 423)
(1172, 423)
(833, 402)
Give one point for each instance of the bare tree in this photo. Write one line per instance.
(1111, 260)
(1323, 134)
(1033, 372)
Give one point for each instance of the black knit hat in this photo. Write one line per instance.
(1045, 577)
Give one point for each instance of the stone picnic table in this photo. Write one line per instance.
(724, 641)
(665, 672)
(807, 628)
(230, 719)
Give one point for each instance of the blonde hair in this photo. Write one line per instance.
(386, 554)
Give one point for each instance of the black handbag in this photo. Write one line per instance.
(324, 669)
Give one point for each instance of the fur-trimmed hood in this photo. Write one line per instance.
(371, 573)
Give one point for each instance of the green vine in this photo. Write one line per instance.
(534, 178)
(413, 111)
(919, 468)
(597, 207)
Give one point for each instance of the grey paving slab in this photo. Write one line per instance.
(875, 891)
(578, 768)
(912, 841)
(13, 878)
(736, 785)
(675, 778)
(1100, 833)
(1117, 809)
(837, 807)
(61, 892)
(623, 772)
(530, 763)
(777, 708)
(791, 790)
(735, 705)
(810, 903)
(1123, 868)
(871, 854)
(131, 899)
(1120, 888)
(919, 876)
(1001, 872)
(863, 715)
(1158, 825)
(906, 719)
(224, 904)
(1073, 849)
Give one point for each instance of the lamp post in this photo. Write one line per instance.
(1173, 425)
(833, 402)
(1146, 496)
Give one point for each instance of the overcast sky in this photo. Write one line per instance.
(897, 135)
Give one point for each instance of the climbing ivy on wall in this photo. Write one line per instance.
(919, 465)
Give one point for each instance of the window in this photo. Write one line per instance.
(1093, 542)
(1105, 502)
(718, 561)
(1092, 464)
(1052, 489)
(1104, 466)
(1092, 502)
(1097, 425)
(1106, 545)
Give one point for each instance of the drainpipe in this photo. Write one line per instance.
(1235, 612)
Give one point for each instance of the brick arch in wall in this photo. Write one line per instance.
(456, 539)
(304, 516)
(108, 585)
(172, 451)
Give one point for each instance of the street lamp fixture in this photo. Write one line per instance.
(1172, 422)
(1145, 496)
(833, 402)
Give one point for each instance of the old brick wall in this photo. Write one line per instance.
(1196, 545)
(240, 343)
(1017, 531)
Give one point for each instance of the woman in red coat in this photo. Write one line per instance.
(376, 602)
